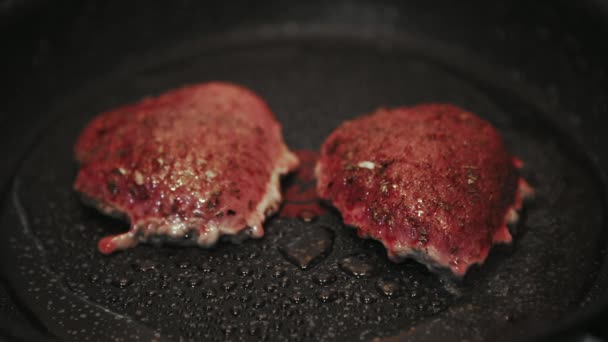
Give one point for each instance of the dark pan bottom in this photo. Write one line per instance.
(250, 291)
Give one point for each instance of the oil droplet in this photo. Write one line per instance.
(206, 268)
(389, 287)
(144, 265)
(121, 282)
(235, 310)
(270, 288)
(209, 293)
(326, 295)
(194, 282)
(369, 298)
(183, 264)
(229, 286)
(323, 278)
(309, 248)
(244, 271)
(278, 273)
(358, 265)
(297, 298)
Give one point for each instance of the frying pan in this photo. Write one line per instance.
(536, 70)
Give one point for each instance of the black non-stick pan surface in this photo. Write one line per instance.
(536, 72)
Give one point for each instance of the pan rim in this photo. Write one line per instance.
(579, 146)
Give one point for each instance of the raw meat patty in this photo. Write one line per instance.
(187, 166)
(433, 182)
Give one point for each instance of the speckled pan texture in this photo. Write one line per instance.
(249, 291)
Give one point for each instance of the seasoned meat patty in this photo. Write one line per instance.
(432, 182)
(187, 166)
